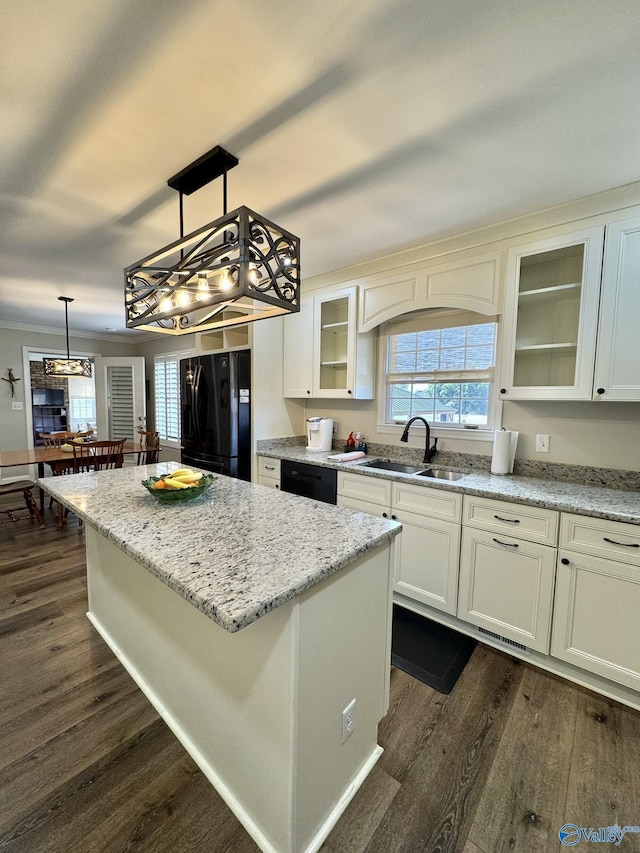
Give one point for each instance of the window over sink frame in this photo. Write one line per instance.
(441, 364)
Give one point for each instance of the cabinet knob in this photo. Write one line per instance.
(394, 518)
(564, 561)
(349, 392)
(600, 390)
(308, 392)
(384, 515)
(503, 390)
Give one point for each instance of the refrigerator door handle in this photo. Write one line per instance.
(196, 400)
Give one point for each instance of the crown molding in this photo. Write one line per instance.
(125, 337)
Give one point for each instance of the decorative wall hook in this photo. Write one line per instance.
(11, 380)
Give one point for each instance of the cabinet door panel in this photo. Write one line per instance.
(428, 560)
(298, 352)
(506, 586)
(617, 363)
(595, 623)
(551, 315)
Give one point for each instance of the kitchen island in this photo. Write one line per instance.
(251, 619)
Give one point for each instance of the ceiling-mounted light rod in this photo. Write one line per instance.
(66, 300)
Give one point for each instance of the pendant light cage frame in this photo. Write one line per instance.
(67, 366)
(237, 269)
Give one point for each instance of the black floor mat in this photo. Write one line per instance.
(427, 650)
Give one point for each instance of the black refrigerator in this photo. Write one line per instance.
(215, 404)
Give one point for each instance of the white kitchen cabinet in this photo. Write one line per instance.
(429, 547)
(507, 568)
(597, 599)
(617, 372)
(551, 317)
(324, 355)
(506, 586)
(298, 351)
(269, 472)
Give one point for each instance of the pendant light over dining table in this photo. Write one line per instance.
(66, 366)
(239, 268)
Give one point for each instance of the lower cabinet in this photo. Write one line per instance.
(269, 472)
(597, 600)
(506, 587)
(429, 546)
(506, 581)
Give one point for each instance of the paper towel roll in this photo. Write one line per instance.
(504, 451)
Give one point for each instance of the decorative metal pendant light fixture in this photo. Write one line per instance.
(66, 366)
(232, 271)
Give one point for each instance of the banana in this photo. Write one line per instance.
(191, 477)
(181, 471)
(175, 484)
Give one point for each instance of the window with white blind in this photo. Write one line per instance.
(440, 365)
(167, 396)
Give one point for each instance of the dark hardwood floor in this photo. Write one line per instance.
(87, 766)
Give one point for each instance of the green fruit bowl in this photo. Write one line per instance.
(170, 496)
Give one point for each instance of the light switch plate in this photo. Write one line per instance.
(17, 406)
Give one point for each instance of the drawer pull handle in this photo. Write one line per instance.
(510, 520)
(507, 544)
(270, 467)
(624, 544)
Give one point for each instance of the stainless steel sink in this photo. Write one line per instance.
(440, 474)
(418, 470)
(386, 465)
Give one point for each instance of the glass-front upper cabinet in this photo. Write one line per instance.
(551, 317)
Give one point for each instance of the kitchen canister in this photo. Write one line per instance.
(504, 451)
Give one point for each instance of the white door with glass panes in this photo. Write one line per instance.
(120, 396)
(551, 317)
(335, 326)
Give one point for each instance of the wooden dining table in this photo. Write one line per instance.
(52, 456)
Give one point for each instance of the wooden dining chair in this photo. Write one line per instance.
(24, 487)
(57, 439)
(97, 455)
(93, 456)
(149, 452)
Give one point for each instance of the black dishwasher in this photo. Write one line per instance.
(310, 481)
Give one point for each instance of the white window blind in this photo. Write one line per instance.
(120, 389)
(167, 396)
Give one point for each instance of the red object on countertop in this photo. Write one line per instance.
(351, 442)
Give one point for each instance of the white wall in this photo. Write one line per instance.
(13, 424)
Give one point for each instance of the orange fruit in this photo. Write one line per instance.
(160, 484)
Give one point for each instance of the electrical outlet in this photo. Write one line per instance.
(17, 407)
(542, 443)
(348, 720)
(335, 428)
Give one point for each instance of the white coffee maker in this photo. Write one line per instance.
(319, 433)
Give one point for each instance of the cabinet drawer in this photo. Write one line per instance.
(614, 540)
(363, 488)
(435, 503)
(268, 467)
(526, 522)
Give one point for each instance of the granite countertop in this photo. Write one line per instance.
(584, 498)
(237, 552)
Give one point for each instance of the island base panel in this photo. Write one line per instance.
(259, 710)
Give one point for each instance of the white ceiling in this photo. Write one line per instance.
(363, 126)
